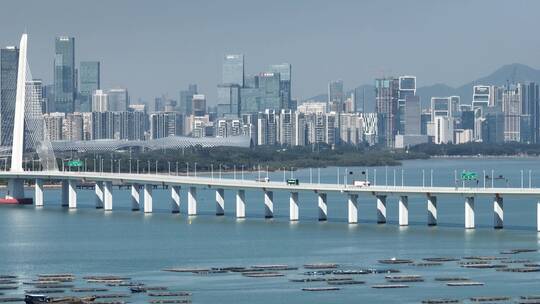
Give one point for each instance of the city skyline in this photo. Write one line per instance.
(349, 55)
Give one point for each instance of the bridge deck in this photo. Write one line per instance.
(228, 183)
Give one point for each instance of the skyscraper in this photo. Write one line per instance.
(335, 95)
(186, 97)
(118, 99)
(386, 106)
(531, 110)
(284, 71)
(64, 75)
(100, 102)
(228, 100)
(199, 104)
(482, 96)
(233, 69)
(89, 78)
(440, 106)
(9, 61)
(512, 113)
(407, 87)
(412, 115)
(269, 90)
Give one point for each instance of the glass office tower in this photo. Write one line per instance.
(233, 69)
(9, 61)
(64, 75)
(89, 75)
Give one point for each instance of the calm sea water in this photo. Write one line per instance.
(89, 241)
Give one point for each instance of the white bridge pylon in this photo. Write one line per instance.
(18, 119)
(16, 186)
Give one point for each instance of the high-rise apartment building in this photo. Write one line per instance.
(351, 129)
(233, 69)
(54, 123)
(444, 130)
(100, 101)
(312, 107)
(89, 81)
(73, 127)
(65, 85)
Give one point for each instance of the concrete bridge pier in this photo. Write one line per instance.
(538, 216)
(107, 196)
(241, 204)
(381, 209)
(39, 192)
(293, 206)
(148, 199)
(192, 201)
(268, 204)
(72, 196)
(220, 202)
(135, 197)
(469, 212)
(175, 199)
(323, 207)
(65, 193)
(498, 212)
(403, 211)
(431, 210)
(99, 195)
(353, 208)
(15, 188)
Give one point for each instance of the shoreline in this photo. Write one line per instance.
(520, 156)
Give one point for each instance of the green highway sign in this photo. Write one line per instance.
(468, 175)
(75, 163)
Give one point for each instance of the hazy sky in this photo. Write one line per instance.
(155, 47)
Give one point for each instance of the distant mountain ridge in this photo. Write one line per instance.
(510, 73)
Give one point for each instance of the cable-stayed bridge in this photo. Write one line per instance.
(142, 184)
